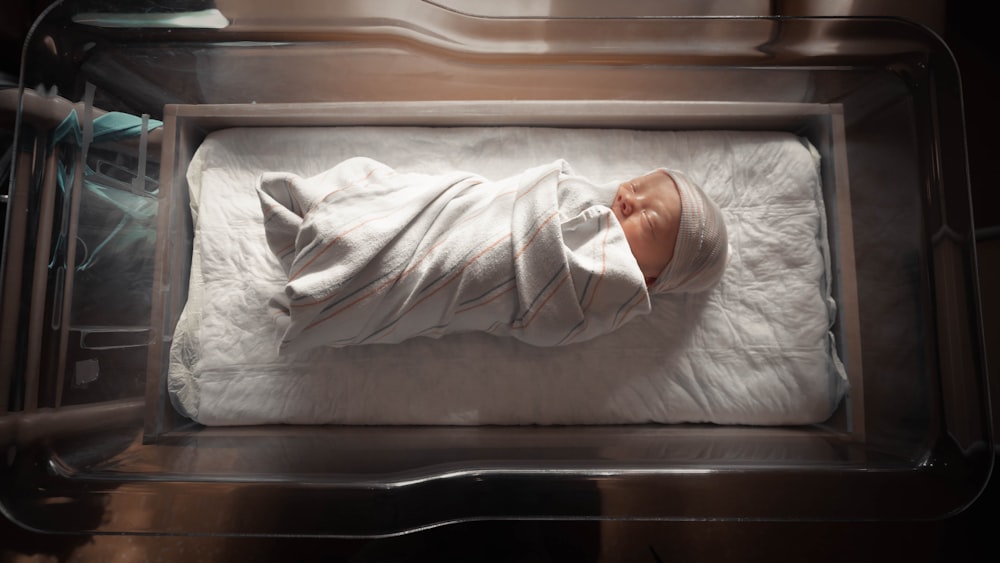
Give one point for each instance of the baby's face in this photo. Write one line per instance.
(649, 210)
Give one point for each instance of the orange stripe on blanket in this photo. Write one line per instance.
(426, 297)
(621, 319)
(535, 234)
(404, 273)
(529, 190)
(604, 260)
(541, 306)
(396, 279)
(488, 301)
(338, 190)
(593, 292)
(337, 239)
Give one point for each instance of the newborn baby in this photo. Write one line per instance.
(545, 256)
(674, 231)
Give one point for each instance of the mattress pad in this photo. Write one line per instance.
(756, 349)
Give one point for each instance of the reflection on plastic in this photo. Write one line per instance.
(112, 337)
(86, 372)
(202, 19)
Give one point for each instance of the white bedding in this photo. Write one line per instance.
(757, 349)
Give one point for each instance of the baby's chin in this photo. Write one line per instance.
(652, 272)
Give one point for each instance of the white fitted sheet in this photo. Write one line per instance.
(757, 349)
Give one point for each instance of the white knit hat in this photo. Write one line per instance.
(702, 248)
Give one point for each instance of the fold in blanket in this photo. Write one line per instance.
(376, 256)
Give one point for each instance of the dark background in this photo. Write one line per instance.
(968, 536)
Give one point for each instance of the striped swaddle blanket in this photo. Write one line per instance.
(376, 256)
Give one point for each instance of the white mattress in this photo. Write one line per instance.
(755, 350)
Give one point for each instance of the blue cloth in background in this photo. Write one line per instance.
(112, 126)
(137, 209)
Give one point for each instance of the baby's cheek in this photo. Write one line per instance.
(633, 242)
(637, 247)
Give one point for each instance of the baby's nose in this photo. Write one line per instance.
(626, 202)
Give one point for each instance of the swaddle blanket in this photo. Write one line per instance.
(376, 256)
(755, 349)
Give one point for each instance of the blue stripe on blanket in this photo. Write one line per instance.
(627, 306)
(464, 259)
(583, 294)
(590, 277)
(307, 254)
(426, 332)
(539, 295)
(356, 291)
(573, 330)
(488, 292)
(392, 323)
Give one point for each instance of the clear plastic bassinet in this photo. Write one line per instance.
(114, 103)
